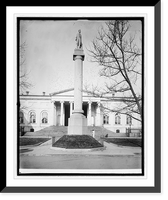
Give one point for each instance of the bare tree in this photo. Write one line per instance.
(118, 53)
(24, 84)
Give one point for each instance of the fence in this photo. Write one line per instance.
(133, 132)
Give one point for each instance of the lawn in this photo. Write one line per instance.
(125, 141)
(32, 141)
(77, 142)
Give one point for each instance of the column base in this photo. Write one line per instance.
(77, 111)
(77, 124)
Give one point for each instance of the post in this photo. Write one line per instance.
(93, 133)
(130, 128)
(53, 140)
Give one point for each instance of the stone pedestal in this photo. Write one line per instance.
(77, 123)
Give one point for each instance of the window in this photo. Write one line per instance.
(106, 119)
(117, 131)
(21, 117)
(117, 119)
(32, 117)
(128, 120)
(44, 119)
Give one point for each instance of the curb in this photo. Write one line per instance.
(26, 146)
(78, 150)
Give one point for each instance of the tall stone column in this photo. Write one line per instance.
(62, 113)
(89, 113)
(78, 57)
(77, 124)
(54, 112)
(99, 121)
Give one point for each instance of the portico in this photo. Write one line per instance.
(62, 110)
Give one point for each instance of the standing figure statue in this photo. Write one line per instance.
(79, 40)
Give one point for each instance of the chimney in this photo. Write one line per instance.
(27, 92)
(43, 93)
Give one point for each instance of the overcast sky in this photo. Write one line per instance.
(49, 53)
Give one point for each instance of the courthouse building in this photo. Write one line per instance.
(40, 111)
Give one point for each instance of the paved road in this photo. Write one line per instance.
(80, 162)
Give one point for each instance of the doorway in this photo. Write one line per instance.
(67, 113)
(85, 107)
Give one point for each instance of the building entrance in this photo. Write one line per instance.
(67, 113)
(85, 107)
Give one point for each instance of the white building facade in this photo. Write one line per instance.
(41, 111)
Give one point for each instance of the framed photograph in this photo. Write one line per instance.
(83, 99)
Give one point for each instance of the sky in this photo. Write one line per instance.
(49, 52)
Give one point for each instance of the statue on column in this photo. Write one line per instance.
(78, 40)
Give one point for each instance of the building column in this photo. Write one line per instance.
(90, 113)
(53, 113)
(62, 114)
(71, 107)
(52, 120)
(98, 115)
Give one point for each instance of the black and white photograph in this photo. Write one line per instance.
(80, 94)
(83, 99)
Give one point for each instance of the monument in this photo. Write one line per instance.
(78, 136)
(77, 124)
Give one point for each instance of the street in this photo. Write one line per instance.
(76, 161)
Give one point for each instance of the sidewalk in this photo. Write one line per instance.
(110, 149)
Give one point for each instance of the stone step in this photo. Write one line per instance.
(62, 130)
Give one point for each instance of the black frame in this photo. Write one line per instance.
(157, 108)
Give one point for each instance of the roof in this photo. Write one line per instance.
(61, 91)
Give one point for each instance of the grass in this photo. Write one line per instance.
(125, 141)
(32, 141)
(77, 142)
